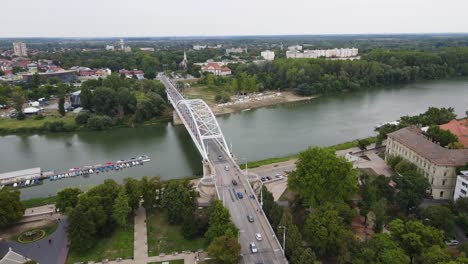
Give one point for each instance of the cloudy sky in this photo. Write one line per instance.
(126, 18)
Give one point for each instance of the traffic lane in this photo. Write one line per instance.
(240, 209)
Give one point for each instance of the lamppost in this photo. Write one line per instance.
(284, 239)
(261, 194)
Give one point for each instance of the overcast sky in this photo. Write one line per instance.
(127, 18)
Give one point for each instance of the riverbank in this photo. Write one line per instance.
(337, 147)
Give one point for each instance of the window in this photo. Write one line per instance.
(464, 184)
(443, 182)
(441, 195)
(432, 181)
(462, 191)
(445, 173)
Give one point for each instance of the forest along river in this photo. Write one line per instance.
(256, 134)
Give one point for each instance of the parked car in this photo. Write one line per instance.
(279, 176)
(253, 247)
(268, 178)
(250, 218)
(234, 182)
(452, 243)
(226, 168)
(258, 236)
(220, 157)
(240, 195)
(263, 179)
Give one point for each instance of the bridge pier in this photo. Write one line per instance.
(176, 118)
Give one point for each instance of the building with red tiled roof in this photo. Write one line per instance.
(459, 128)
(216, 69)
(436, 163)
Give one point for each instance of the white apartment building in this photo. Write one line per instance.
(110, 47)
(461, 187)
(436, 163)
(19, 49)
(235, 50)
(329, 53)
(199, 47)
(295, 47)
(268, 55)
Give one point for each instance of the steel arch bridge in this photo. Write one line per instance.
(197, 117)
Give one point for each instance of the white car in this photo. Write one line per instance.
(226, 168)
(253, 247)
(258, 236)
(453, 243)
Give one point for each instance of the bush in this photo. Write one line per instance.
(82, 117)
(56, 126)
(99, 122)
(38, 117)
(222, 98)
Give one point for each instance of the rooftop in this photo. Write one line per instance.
(459, 128)
(21, 173)
(413, 139)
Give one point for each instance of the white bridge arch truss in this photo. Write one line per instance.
(198, 118)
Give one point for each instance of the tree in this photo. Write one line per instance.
(316, 170)
(36, 80)
(225, 250)
(382, 249)
(18, 97)
(325, 232)
(105, 101)
(411, 185)
(133, 190)
(434, 255)
(363, 143)
(121, 209)
(61, 104)
(219, 222)
(149, 186)
(179, 200)
(81, 229)
(11, 208)
(86, 98)
(440, 217)
(67, 199)
(99, 122)
(443, 137)
(210, 80)
(414, 236)
(82, 117)
(273, 211)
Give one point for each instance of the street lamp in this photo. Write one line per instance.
(284, 239)
(261, 194)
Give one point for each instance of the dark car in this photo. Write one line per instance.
(263, 179)
(240, 195)
(234, 182)
(268, 178)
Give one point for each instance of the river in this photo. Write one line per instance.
(256, 134)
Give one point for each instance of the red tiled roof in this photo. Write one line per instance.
(213, 65)
(225, 69)
(459, 129)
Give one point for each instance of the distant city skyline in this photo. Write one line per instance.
(147, 18)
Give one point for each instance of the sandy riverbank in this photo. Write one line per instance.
(273, 99)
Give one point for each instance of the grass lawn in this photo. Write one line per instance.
(28, 123)
(204, 92)
(118, 244)
(341, 146)
(47, 228)
(179, 261)
(39, 201)
(166, 238)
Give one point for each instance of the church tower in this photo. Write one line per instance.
(184, 62)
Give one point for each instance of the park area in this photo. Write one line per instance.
(118, 245)
(166, 238)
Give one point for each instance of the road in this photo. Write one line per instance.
(268, 249)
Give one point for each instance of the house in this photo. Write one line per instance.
(268, 55)
(461, 187)
(216, 68)
(130, 74)
(31, 111)
(459, 128)
(438, 164)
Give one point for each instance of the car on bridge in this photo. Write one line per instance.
(226, 168)
(250, 218)
(240, 195)
(234, 182)
(258, 236)
(253, 247)
(220, 157)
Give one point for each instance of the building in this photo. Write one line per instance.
(184, 63)
(461, 187)
(135, 73)
(110, 47)
(295, 47)
(19, 49)
(75, 100)
(235, 50)
(217, 69)
(64, 76)
(268, 55)
(329, 53)
(437, 164)
(149, 50)
(85, 73)
(199, 47)
(459, 128)
(12, 257)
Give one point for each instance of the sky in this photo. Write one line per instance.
(137, 18)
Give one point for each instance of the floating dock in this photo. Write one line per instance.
(35, 176)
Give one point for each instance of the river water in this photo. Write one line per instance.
(256, 134)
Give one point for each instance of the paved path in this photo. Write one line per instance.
(140, 243)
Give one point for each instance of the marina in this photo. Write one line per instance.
(35, 176)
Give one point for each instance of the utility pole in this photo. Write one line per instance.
(284, 239)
